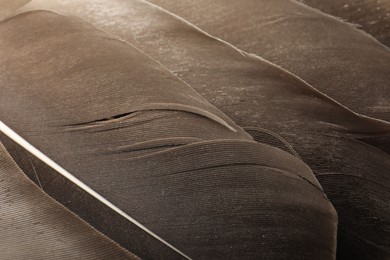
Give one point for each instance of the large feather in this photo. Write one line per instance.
(146, 142)
(34, 226)
(255, 92)
(334, 57)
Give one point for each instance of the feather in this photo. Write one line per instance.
(72, 91)
(253, 91)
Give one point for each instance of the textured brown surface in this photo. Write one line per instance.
(256, 93)
(147, 142)
(342, 62)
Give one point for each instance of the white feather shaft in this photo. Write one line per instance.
(37, 153)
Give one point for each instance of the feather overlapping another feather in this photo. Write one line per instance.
(253, 92)
(347, 65)
(154, 148)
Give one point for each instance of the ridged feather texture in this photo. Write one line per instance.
(147, 142)
(347, 65)
(146, 109)
(339, 144)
